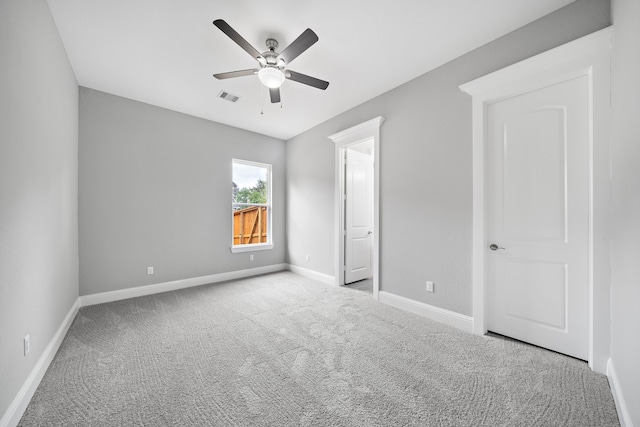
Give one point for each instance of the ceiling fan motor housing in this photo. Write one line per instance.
(271, 56)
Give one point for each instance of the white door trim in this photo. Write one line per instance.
(351, 136)
(588, 56)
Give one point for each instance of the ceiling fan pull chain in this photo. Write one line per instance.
(261, 101)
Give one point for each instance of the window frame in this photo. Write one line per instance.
(254, 246)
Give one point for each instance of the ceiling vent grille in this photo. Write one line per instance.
(228, 96)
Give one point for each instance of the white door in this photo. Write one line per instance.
(358, 215)
(538, 217)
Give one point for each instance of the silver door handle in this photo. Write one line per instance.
(370, 232)
(495, 247)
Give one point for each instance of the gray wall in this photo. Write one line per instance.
(425, 167)
(38, 188)
(625, 158)
(155, 190)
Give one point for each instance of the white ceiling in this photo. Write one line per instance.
(164, 52)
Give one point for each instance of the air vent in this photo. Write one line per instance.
(228, 96)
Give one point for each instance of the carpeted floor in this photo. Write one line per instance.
(283, 350)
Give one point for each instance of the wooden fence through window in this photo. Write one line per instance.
(250, 225)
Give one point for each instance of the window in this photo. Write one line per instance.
(251, 189)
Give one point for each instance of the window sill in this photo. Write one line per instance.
(251, 248)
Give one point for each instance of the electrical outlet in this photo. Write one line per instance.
(149, 270)
(429, 286)
(27, 345)
(250, 257)
(308, 258)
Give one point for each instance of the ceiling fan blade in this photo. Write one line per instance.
(307, 80)
(233, 35)
(232, 74)
(275, 95)
(299, 45)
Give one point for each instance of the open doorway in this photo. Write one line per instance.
(360, 142)
(358, 215)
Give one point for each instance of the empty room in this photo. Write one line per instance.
(338, 213)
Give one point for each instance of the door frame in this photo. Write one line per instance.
(369, 130)
(588, 56)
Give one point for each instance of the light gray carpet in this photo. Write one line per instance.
(283, 350)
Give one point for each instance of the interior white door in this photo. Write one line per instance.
(538, 217)
(358, 215)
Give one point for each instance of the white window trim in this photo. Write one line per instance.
(256, 246)
(251, 248)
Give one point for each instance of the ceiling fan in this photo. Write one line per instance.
(273, 65)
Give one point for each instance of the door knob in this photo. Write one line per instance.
(370, 232)
(495, 247)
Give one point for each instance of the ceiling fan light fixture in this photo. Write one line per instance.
(271, 77)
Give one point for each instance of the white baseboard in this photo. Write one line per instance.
(438, 314)
(15, 411)
(320, 277)
(618, 397)
(157, 288)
